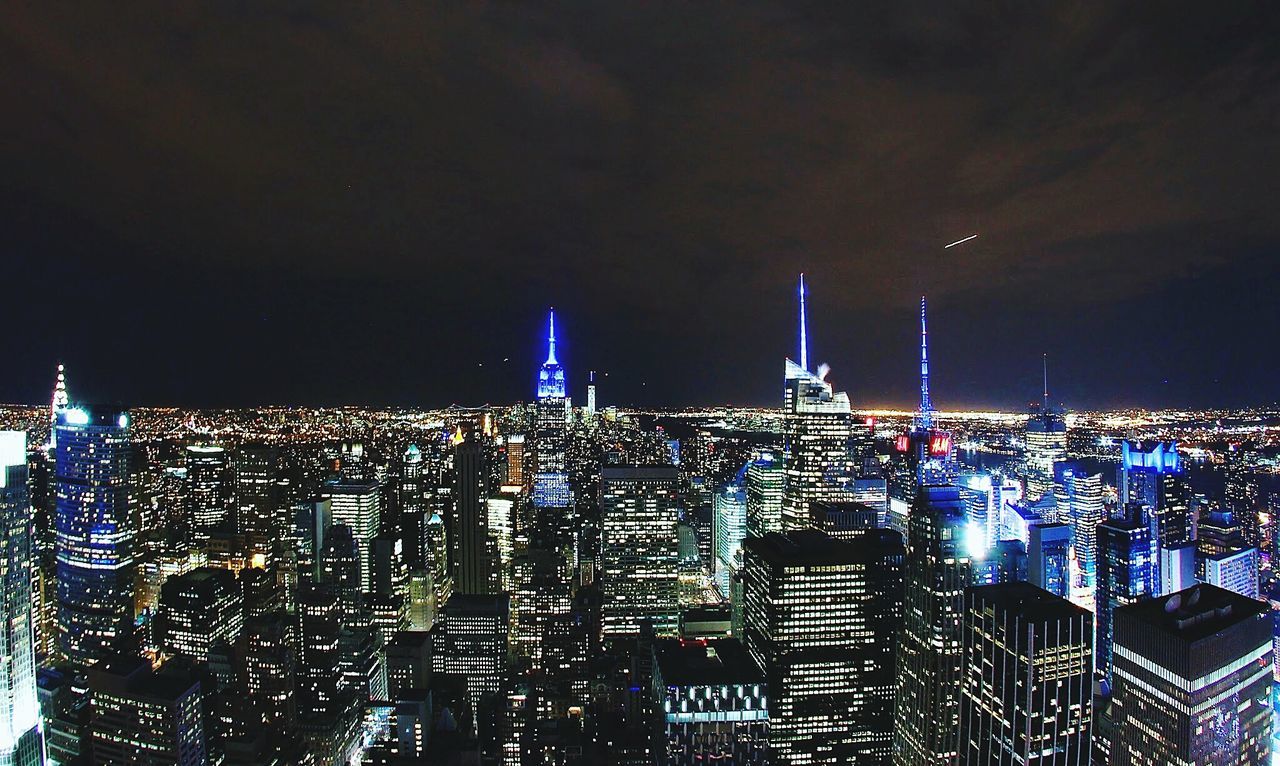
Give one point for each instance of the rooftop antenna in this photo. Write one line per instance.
(926, 404)
(804, 338)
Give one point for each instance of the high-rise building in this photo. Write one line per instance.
(257, 490)
(95, 535)
(930, 654)
(198, 609)
(1048, 557)
(551, 480)
(470, 643)
(1027, 686)
(591, 394)
(20, 730)
(358, 504)
(1192, 680)
(141, 716)
(206, 493)
(319, 668)
(1126, 575)
(821, 617)
(816, 432)
(729, 509)
(1152, 476)
(1082, 489)
(271, 667)
(1234, 570)
(638, 548)
(1046, 438)
(925, 455)
(765, 483)
(474, 569)
(714, 702)
(1177, 568)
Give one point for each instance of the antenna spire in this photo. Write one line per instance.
(804, 338)
(551, 338)
(926, 405)
(1044, 359)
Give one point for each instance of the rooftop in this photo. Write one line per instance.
(1195, 613)
(812, 546)
(705, 662)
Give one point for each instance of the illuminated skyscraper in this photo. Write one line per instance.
(1192, 680)
(206, 499)
(551, 482)
(591, 394)
(95, 537)
(1152, 475)
(358, 504)
(257, 490)
(1126, 575)
(930, 653)
(816, 434)
(638, 549)
(1083, 497)
(924, 455)
(766, 482)
(729, 509)
(474, 570)
(821, 617)
(1027, 688)
(1046, 437)
(199, 608)
(1048, 546)
(20, 730)
(141, 716)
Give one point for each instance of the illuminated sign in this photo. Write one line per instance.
(940, 445)
(904, 443)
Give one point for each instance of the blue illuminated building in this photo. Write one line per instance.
(95, 541)
(1048, 548)
(1126, 575)
(1152, 475)
(551, 482)
(20, 730)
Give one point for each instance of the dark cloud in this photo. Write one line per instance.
(231, 203)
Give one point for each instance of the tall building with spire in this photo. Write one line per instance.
(551, 481)
(925, 454)
(818, 420)
(1046, 439)
(60, 400)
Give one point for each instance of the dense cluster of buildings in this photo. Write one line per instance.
(551, 584)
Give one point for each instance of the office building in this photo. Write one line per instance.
(258, 503)
(1046, 439)
(1177, 568)
(1152, 476)
(765, 483)
(639, 556)
(1048, 557)
(551, 480)
(142, 716)
(821, 617)
(1027, 685)
(1126, 575)
(206, 490)
(1235, 570)
(470, 643)
(714, 703)
(20, 730)
(95, 537)
(729, 509)
(474, 570)
(357, 504)
(816, 432)
(930, 655)
(1192, 680)
(844, 519)
(1082, 496)
(198, 609)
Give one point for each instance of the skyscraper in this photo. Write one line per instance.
(1083, 491)
(199, 608)
(638, 548)
(821, 616)
(474, 570)
(765, 482)
(714, 702)
(1126, 575)
(140, 716)
(925, 454)
(1152, 475)
(1027, 688)
(206, 495)
(358, 504)
(1046, 438)
(551, 482)
(95, 536)
(1048, 546)
(930, 654)
(816, 432)
(257, 490)
(1192, 679)
(729, 509)
(20, 730)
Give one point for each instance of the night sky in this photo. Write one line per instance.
(376, 203)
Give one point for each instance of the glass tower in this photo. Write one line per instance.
(95, 536)
(20, 735)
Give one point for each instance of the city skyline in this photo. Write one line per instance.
(284, 214)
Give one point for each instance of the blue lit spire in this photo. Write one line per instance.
(804, 337)
(551, 338)
(551, 383)
(926, 404)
